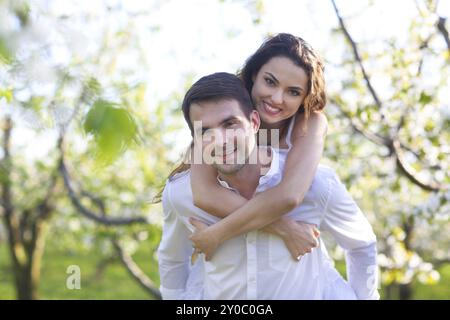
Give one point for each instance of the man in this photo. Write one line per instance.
(257, 265)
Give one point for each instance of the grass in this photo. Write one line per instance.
(113, 283)
(438, 291)
(116, 283)
(441, 290)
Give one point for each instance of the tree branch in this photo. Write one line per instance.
(10, 217)
(443, 30)
(135, 271)
(45, 207)
(409, 172)
(392, 143)
(422, 47)
(101, 267)
(396, 149)
(6, 167)
(100, 218)
(373, 137)
(439, 263)
(357, 57)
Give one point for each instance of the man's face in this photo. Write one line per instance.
(226, 136)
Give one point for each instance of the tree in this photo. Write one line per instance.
(72, 83)
(401, 135)
(85, 95)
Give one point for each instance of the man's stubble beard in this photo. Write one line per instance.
(229, 169)
(233, 168)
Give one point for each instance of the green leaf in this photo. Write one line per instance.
(429, 125)
(22, 12)
(6, 55)
(93, 89)
(425, 98)
(35, 103)
(7, 94)
(113, 128)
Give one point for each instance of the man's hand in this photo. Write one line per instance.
(202, 239)
(299, 237)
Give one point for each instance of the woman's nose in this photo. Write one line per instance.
(277, 97)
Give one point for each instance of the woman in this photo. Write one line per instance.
(286, 81)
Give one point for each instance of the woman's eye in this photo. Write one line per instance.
(294, 93)
(269, 81)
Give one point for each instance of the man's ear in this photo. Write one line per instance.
(255, 120)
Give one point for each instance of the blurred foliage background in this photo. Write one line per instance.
(91, 126)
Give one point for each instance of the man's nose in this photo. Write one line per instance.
(222, 137)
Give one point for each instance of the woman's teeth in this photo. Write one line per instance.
(270, 109)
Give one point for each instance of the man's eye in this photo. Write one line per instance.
(230, 124)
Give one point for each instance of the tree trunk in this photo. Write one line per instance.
(26, 230)
(26, 262)
(388, 292)
(405, 291)
(24, 290)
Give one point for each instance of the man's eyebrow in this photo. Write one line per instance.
(274, 79)
(230, 118)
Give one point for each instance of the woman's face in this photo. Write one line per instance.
(279, 89)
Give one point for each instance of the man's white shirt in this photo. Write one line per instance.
(258, 265)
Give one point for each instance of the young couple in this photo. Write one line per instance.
(254, 224)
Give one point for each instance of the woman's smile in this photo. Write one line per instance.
(279, 90)
(270, 109)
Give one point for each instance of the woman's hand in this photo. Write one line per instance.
(203, 240)
(299, 237)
